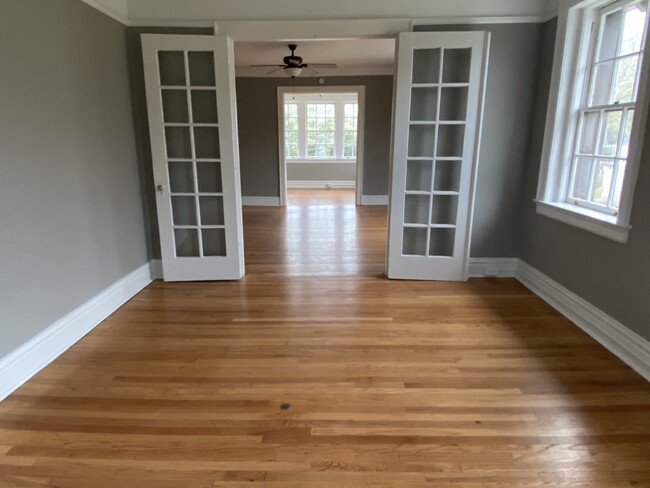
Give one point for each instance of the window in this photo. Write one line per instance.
(321, 130)
(350, 116)
(291, 130)
(321, 127)
(589, 170)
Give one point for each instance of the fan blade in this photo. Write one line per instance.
(274, 70)
(322, 65)
(310, 69)
(266, 65)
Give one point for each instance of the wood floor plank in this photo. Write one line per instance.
(390, 383)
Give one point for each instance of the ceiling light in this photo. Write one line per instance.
(293, 72)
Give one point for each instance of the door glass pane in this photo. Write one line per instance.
(424, 104)
(204, 106)
(601, 90)
(634, 23)
(581, 178)
(453, 103)
(447, 176)
(414, 241)
(187, 242)
(416, 209)
(426, 66)
(181, 177)
(214, 242)
(589, 132)
(201, 68)
(184, 210)
(444, 209)
(441, 242)
(421, 139)
(178, 144)
(175, 106)
(456, 65)
(450, 141)
(602, 181)
(172, 67)
(609, 133)
(418, 175)
(624, 80)
(206, 142)
(609, 36)
(209, 177)
(211, 210)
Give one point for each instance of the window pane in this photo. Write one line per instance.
(610, 131)
(589, 132)
(633, 25)
(602, 181)
(618, 188)
(609, 36)
(624, 79)
(581, 179)
(627, 131)
(602, 85)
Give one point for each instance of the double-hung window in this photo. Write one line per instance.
(321, 127)
(591, 146)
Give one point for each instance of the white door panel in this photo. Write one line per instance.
(194, 145)
(438, 109)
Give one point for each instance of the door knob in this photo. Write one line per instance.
(160, 189)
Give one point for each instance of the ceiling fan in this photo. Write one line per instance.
(293, 64)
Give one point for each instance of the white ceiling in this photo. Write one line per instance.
(353, 57)
(206, 12)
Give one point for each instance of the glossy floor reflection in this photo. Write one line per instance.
(319, 232)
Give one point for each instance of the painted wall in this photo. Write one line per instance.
(326, 171)
(258, 131)
(70, 209)
(614, 277)
(509, 104)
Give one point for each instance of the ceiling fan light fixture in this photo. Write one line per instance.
(293, 71)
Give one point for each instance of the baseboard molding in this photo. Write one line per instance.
(374, 199)
(23, 363)
(630, 347)
(155, 266)
(320, 184)
(492, 267)
(261, 201)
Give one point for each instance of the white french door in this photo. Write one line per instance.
(437, 119)
(193, 129)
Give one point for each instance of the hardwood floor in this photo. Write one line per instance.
(390, 383)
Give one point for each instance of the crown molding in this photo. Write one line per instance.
(115, 9)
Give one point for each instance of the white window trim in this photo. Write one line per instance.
(567, 79)
(339, 100)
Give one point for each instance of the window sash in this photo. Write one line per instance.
(618, 163)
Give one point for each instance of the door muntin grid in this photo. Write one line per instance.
(192, 148)
(438, 113)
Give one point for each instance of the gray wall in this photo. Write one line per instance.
(327, 171)
(70, 209)
(258, 131)
(509, 104)
(614, 277)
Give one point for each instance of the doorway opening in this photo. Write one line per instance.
(320, 132)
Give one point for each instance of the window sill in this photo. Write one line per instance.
(585, 219)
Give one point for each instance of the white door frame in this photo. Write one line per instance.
(360, 90)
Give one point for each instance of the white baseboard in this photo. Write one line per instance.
(23, 363)
(630, 347)
(261, 201)
(155, 265)
(374, 199)
(492, 267)
(320, 184)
